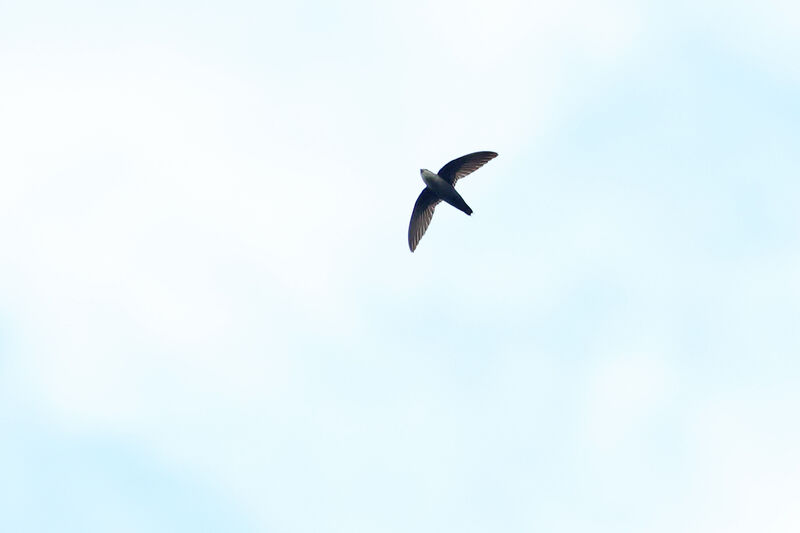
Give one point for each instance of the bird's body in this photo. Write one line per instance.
(444, 191)
(441, 187)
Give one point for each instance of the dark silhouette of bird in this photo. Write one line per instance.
(440, 187)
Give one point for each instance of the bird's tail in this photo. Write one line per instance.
(461, 205)
(453, 198)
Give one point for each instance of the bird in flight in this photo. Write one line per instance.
(440, 187)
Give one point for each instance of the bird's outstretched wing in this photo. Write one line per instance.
(421, 216)
(458, 168)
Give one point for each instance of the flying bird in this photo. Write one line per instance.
(440, 187)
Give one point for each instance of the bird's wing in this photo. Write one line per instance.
(458, 168)
(421, 216)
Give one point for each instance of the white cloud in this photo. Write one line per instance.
(149, 192)
(746, 469)
(626, 391)
(195, 241)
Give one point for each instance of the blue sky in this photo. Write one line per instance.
(210, 319)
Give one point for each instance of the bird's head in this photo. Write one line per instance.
(426, 174)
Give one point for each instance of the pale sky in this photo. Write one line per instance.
(210, 319)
